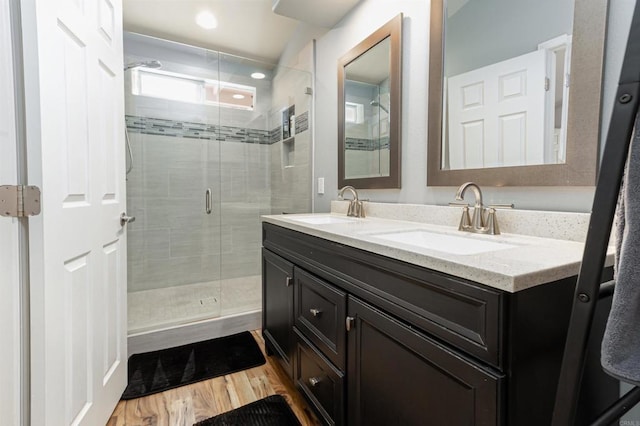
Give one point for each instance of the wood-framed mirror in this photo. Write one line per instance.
(516, 110)
(369, 110)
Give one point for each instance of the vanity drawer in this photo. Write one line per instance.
(320, 312)
(320, 382)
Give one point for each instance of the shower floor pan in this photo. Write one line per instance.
(173, 316)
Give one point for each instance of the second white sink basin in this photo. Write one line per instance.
(320, 220)
(452, 244)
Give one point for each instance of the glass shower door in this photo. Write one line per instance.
(173, 190)
(265, 163)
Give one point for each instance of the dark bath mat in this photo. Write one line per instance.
(157, 371)
(270, 411)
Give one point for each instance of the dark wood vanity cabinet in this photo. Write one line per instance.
(370, 340)
(400, 376)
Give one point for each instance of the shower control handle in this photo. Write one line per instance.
(207, 201)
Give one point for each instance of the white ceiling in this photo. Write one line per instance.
(245, 27)
(321, 13)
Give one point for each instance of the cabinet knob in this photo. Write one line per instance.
(289, 281)
(313, 381)
(315, 312)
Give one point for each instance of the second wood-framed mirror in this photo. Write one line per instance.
(369, 110)
(515, 91)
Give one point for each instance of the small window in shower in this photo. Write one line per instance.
(166, 86)
(185, 88)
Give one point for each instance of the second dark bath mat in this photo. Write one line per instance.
(270, 411)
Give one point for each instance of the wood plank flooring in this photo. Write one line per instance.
(186, 405)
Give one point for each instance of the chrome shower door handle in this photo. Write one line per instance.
(207, 201)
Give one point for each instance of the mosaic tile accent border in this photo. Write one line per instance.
(275, 134)
(362, 144)
(185, 129)
(302, 122)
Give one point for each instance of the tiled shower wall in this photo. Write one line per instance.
(173, 241)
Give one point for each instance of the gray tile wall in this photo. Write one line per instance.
(173, 241)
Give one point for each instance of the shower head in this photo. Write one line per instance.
(378, 104)
(146, 64)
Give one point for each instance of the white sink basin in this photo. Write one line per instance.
(320, 220)
(452, 244)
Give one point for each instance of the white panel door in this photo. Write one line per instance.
(496, 114)
(75, 121)
(10, 357)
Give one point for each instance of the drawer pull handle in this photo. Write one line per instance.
(313, 381)
(289, 281)
(315, 312)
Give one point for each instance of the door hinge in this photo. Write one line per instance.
(547, 84)
(19, 200)
(349, 323)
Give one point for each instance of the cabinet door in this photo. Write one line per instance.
(399, 376)
(277, 308)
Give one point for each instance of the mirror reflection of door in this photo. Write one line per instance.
(506, 71)
(367, 113)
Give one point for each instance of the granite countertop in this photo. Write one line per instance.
(516, 262)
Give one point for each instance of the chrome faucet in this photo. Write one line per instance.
(356, 209)
(479, 223)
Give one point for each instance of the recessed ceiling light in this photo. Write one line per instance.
(238, 96)
(206, 20)
(258, 75)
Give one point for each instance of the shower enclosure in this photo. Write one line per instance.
(210, 149)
